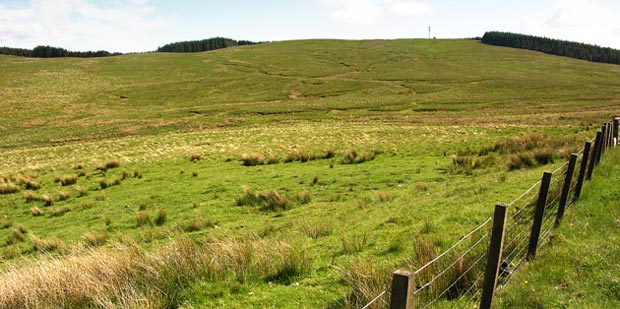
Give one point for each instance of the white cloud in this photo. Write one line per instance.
(80, 25)
(370, 11)
(578, 20)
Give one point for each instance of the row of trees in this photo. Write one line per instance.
(202, 45)
(552, 46)
(53, 52)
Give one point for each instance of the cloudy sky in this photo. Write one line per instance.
(143, 25)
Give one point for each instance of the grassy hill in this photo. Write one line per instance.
(370, 149)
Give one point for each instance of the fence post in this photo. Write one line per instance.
(494, 256)
(609, 134)
(616, 124)
(597, 144)
(538, 216)
(566, 188)
(582, 169)
(603, 136)
(402, 290)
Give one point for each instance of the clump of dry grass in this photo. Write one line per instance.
(57, 212)
(81, 191)
(31, 197)
(194, 157)
(143, 218)
(27, 181)
(269, 200)
(47, 199)
(352, 156)
(63, 195)
(252, 159)
(36, 211)
(112, 164)
(16, 234)
(127, 275)
(318, 229)
(106, 183)
(47, 245)
(196, 224)
(66, 180)
(95, 239)
(8, 188)
(366, 281)
(303, 197)
(355, 243)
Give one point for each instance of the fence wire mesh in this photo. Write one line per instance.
(456, 275)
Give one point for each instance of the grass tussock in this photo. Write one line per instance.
(66, 180)
(194, 157)
(302, 155)
(36, 211)
(46, 245)
(253, 159)
(112, 164)
(47, 199)
(317, 230)
(269, 200)
(143, 218)
(31, 197)
(57, 212)
(160, 218)
(354, 244)
(366, 281)
(196, 224)
(17, 234)
(81, 191)
(353, 156)
(107, 183)
(8, 188)
(63, 195)
(303, 197)
(127, 275)
(95, 239)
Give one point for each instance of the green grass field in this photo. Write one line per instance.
(372, 145)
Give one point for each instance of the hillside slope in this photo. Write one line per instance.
(429, 81)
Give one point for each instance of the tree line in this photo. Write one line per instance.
(570, 49)
(53, 52)
(202, 45)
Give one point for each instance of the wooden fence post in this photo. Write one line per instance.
(566, 188)
(582, 170)
(609, 135)
(494, 256)
(603, 136)
(616, 124)
(538, 216)
(597, 144)
(402, 290)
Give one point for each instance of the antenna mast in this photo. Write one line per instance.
(429, 32)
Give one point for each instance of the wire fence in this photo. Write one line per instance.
(456, 275)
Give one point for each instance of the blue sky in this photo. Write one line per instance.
(143, 25)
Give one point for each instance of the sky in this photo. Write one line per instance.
(144, 25)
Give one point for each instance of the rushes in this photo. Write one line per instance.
(269, 200)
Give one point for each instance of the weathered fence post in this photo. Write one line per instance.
(582, 170)
(566, 188)
(603, 136)
(402, 290)
(597, 144)
(616, 125)
(494, 256)
(609, 135)
(539, 215)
